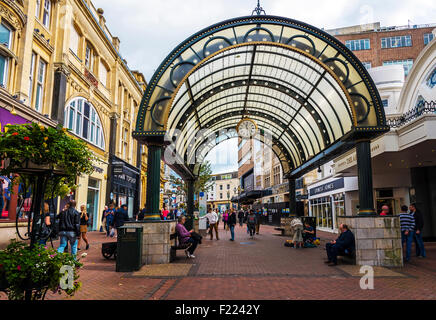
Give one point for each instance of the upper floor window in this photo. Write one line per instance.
(385, 103)
(367, 65)
(43, 12)
(83, 120)
(407, 64)
(428, 37)
(38, 8)
(103, 73)
(74, 40)
(6, 41)
(361, 44)
(431, 82)
(46, 14)
(396, 42)
(90, 57)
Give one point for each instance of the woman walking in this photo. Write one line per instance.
(232, 223)
(83, 227)
(225, 218)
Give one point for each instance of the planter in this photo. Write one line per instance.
(28, 166)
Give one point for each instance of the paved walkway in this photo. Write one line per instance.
(251, 269)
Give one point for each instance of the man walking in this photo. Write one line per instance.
(419, 225)
(241, 217)
(69, 228)
(407, 223)
(213, 223)
(251, 223)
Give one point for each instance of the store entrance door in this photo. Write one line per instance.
(92, 203)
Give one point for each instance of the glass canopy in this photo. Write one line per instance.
(299, 84)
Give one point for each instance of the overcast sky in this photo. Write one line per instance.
(150, 29)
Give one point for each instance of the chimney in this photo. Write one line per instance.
(116, 43)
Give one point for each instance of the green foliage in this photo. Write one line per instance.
(37, 269)
(203, 183)
(21, 144)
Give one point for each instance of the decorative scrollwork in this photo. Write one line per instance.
(152, 110)
(304, 37)
(173, 82)
(347, 75)
(212, 39)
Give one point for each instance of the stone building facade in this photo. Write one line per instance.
(60, 65)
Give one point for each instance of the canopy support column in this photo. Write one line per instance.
(189, 224)
(153, 182)
(292, 198)
(364, 171)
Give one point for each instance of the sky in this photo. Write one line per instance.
(150, 29)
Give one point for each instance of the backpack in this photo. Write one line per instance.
(251, 219)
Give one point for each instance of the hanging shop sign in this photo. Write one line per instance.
(328, 187)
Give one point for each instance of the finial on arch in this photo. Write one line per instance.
(258, 10)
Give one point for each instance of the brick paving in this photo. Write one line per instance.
(251, 270)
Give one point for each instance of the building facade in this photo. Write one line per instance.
(377, 46)
(225, 186)
(60, 65)
(403, 160)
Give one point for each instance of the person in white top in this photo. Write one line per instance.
(213, 223)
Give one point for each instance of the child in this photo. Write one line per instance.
(308, 232)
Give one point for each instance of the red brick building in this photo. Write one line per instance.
(376, 46)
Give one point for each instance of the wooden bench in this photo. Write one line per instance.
(177, 246)
(282, 230)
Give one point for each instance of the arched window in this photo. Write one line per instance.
(431, 81)
(83, 120)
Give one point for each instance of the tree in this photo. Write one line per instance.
(203, 183)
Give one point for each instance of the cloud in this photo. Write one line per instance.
(150, 29)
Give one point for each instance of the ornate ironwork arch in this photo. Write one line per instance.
(292, 78)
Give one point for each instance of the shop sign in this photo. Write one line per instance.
(7, 118)
(334, 185)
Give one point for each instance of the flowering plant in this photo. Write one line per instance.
(45, 146)
(35, 270)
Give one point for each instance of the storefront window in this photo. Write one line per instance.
(322, 209)
(339, 205)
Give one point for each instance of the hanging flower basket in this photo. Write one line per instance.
(32, 149)
(28, 273)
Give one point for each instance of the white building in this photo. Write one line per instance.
(403, 160)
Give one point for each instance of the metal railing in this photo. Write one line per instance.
(422, 108)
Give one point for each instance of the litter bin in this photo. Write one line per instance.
(129, 249)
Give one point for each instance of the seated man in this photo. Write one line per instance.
(185, 236)
(308, 232)
(344, 245)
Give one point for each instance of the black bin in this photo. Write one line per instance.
(129, 249)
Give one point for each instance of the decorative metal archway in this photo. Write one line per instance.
(297, 82)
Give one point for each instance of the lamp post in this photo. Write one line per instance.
(228, 197)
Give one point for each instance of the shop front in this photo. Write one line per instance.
(327, 201)
(124, 183)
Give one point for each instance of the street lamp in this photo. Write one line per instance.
(228, 197)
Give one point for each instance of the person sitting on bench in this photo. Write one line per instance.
(308, 232)
(344, 245)
(185, 236)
